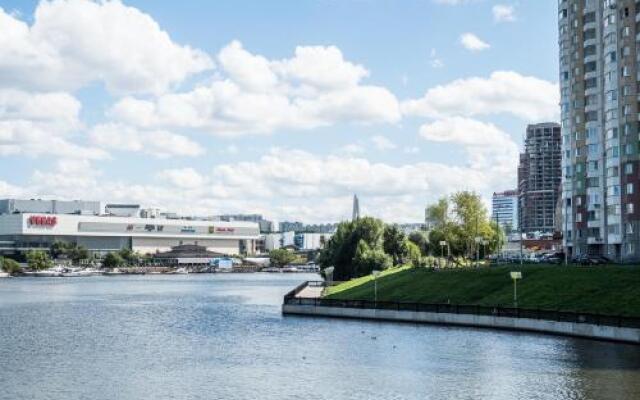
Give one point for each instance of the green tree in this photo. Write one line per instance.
(394, 244)
(414, 255)
(39, 260)
(340, 250)
(72, 251)
(459, 221)
(78, 252)
(420, 239)
(112, 260)
(59, 249)
(367, 259)
(10, 266)
(281, 257)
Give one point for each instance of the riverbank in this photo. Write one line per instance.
(607, 290)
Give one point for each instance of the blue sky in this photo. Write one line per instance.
(285, 108)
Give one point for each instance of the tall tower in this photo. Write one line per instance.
(599, 105)
(356, 208)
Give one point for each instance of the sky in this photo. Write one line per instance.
(285, 108)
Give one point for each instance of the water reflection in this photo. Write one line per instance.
(222, 336)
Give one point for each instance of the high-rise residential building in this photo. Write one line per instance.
(599, 104)
(539, 175)
(505, 210)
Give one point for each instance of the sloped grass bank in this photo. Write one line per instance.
(610, 290)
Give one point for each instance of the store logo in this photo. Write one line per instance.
(41, 220)
(224, 229)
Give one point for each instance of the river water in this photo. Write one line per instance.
(223, 337)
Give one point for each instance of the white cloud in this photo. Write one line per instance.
(350, 149)
(283, 183)
(36, 124)
(186, 178)
(526, 97)
(473, 43)
(503, 13)
(158, 143)
(315, 88)
(383, 143)
(486, 145)
(72, 43)
(463, 131)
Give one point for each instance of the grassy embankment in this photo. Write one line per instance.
(611, 290)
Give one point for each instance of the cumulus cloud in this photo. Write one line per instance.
(72, 43)
(503, 13)
(282, 183)
(159, 143)
(504, 92)
(473, 43)
(41, 123)
(316, 87)
(186, 178)
(487, 147)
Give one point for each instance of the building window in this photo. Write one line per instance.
(629, 228)
(628, 168)
(630, 248)
(629, 208)
(578, 217)
(629, 188)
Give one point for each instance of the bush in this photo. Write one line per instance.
(112, 260)
(10, 266)
(39, 260)
(281, 257)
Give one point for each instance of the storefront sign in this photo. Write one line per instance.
(42, 220)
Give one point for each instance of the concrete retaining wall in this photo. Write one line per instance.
(629, 335)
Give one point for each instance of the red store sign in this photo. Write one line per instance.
(41, 220)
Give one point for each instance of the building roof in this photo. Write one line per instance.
(188, 251)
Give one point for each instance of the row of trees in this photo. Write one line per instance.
(361, 246)
(366, 244)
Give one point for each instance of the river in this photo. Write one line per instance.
(222, 336)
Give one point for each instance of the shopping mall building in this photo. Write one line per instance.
(36, 224)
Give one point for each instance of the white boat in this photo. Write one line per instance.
(76, 273)
(182, 270)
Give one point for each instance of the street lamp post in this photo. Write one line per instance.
(515, 275)
(375, 274)
(442, 244)
(478, 241)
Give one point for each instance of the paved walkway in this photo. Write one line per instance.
(310, 292)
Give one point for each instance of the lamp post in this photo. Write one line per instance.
(375, 274)
(442, 244)
(515, 275)
(478, 240)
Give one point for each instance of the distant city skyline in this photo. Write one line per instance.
(284, 108)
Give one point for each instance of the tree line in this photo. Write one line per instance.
(366, 244)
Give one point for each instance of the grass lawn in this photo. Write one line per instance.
(612, 290)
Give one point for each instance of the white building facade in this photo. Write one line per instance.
(101, 234)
